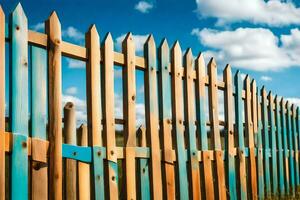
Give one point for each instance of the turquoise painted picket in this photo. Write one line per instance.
(186, 152)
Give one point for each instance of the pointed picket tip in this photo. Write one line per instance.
(1, 11)
(128, 38)
(287, 104)
(188, 54)
(282, 101)
(212, 62)
(227, 68)
(237, 74)
(164, 44)
(19, 11)
(53, 16)
(150, 40)
(200, 57)
(176, 47)
(253, 83)
(108, 38)
(247, 79)
(93, 29)
(270, 94)
(276, 98)
(263, 90)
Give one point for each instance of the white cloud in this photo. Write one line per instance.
(80, 107)
(38, 27)
(143, 6)
(73, 33)
(75, 64)
(272, 12)
(71, 90)
(266, 78)
(139, 41)
(251, 48)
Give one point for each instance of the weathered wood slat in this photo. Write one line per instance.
(129, 103)
(280, 149)
(165, 118)
(94, 110)
(291, 150)
(260, 167)
(53, 29)
(228, 101)
(285, 146)
(109, 116)
(19, 104)
(2, 104)
(191, 127)
(39, 174)
(144, 168)
(273, 146)
(152, 122)
(295, 141)
(83, 168)
(240, 131)
(70, 138)
(250, 135)
(177, 92)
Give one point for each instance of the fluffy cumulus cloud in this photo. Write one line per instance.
(73, 34)
(266, 78)
(75, 64)
(71, 90)
(139, 41)
(272, 12)
(143, 6)
(251, 48)
(38, 27)
(80, 107)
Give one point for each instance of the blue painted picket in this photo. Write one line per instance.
(19, 104)
(291, 148)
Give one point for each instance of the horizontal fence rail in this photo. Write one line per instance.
(187, 149)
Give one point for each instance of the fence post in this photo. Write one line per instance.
(296, 159)
(83, 168)
(202, 130)
(291, 149)
(39, 120)
(70, 138)
(152, 117)
(19, 103)
(166, 120)
(177, 91)
(240, 131)
(227, 76)
(190, 125)
(2, 104)
(215, 130)
(53, 29)
(129, 102)
(109, 116)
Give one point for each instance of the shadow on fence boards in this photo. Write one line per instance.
(186, 150)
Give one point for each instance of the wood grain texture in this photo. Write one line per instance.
(19, 104)
(240, 132)
(53, 29)
(215, 130)
(273, 146)
(70, 138)
(229, 116)
(250, 135)
(39, 176)
(109, 116)
(177, 109)
(2, 104)
(166, 120)
(152, 122)
(280, 149)
(83, 168)
(129, 103)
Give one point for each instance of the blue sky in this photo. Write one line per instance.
(259, 37)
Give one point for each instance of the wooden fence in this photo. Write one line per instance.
(185, 150)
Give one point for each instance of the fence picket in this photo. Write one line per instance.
(53, 29)
(285, 146)
(109, 117)
(250, 136)
(94, 109)
(228, 101)
(177, 92)
(295, 141)
(39, 170)
(240, 131)
(266, 142)
(280, 149)
(165, 117)
(2, 104)
(129, 103)
(190, 125)
(19, 103)
(291, 149)
(273, 145)
(152, 122)
(83, 168)
(260, 167)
